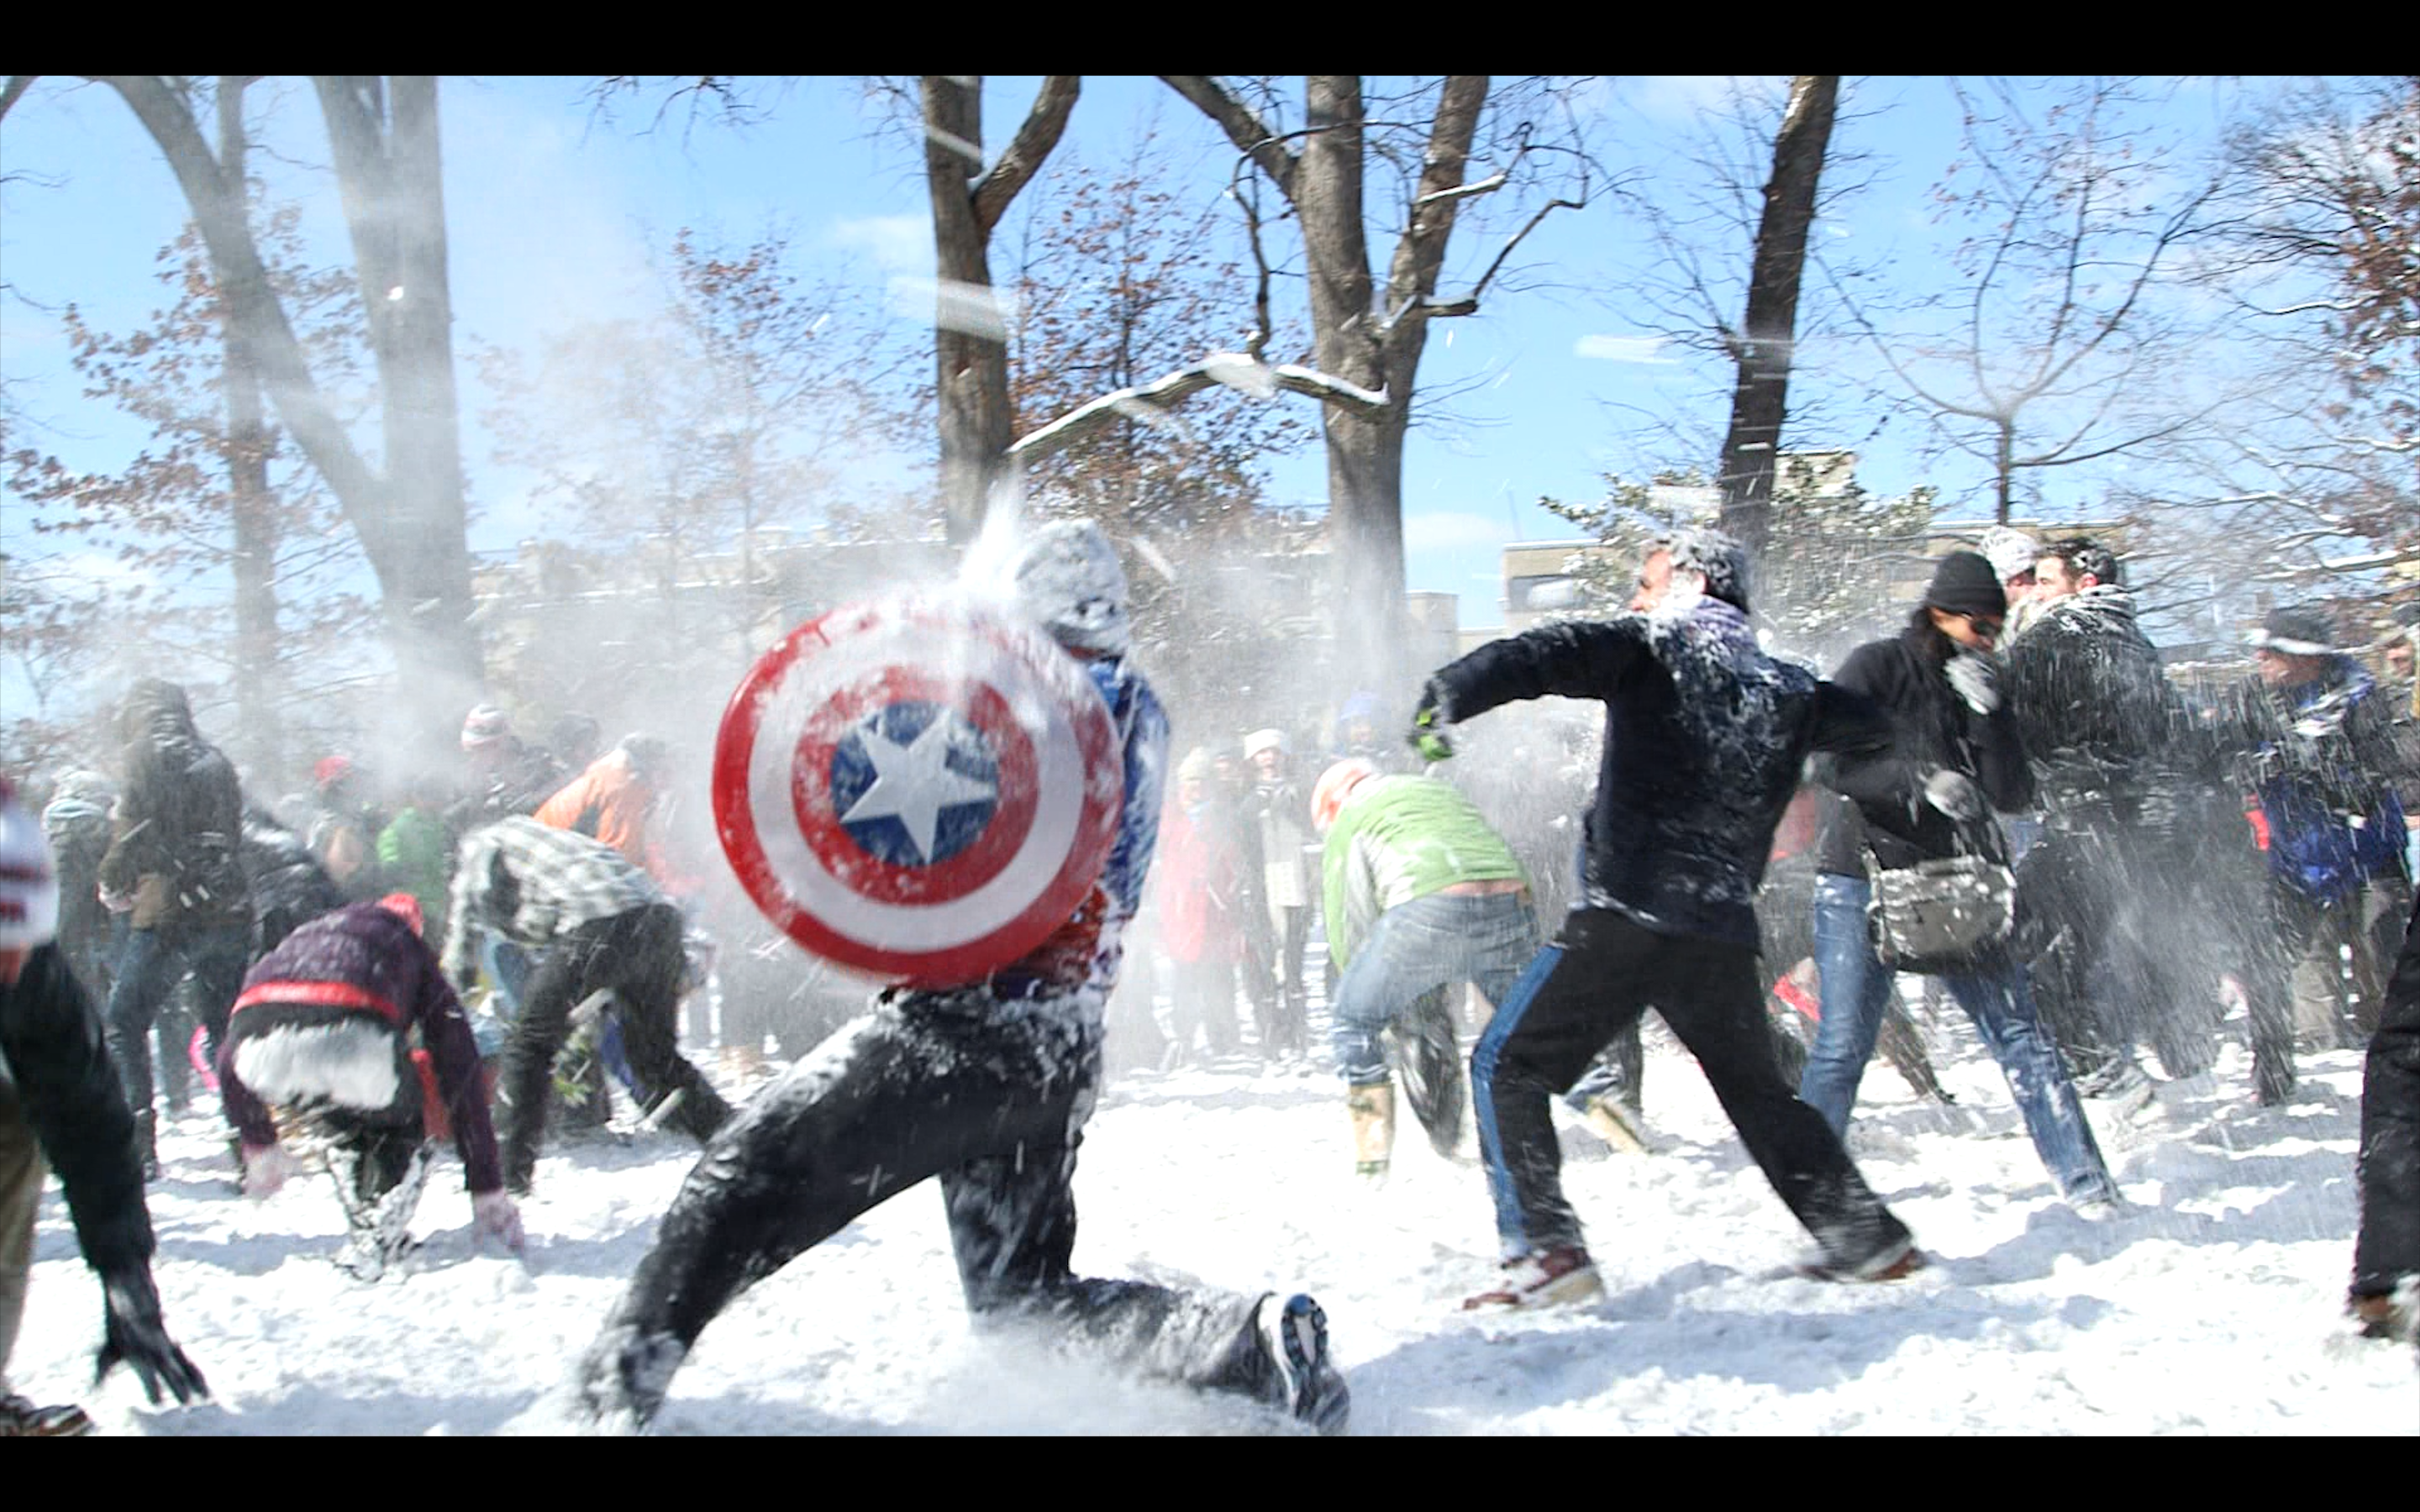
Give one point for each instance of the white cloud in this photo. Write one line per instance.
(897, 243)
(1449, 531)
(1622, 349)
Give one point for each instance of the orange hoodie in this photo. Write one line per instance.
(609, 802)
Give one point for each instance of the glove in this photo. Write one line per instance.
(1429, 726)
(1976, 681)
(493, 1213)
(1954, 794)
(265, 1170)
(132, 1331)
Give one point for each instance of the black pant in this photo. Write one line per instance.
(2388, 1249)
(992, 1100)
(638, 956)
(1273, 980)
(1600, 974)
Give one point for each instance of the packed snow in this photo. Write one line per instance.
(2214, 1306)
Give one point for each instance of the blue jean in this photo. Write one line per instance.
(149, 968)
(1485, 939)
(1856, 988)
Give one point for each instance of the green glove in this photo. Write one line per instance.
(1428, 735)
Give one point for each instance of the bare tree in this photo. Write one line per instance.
(1764, 346)
(1368, 339)
(409, 516)
(2058, 347)
(970, 332)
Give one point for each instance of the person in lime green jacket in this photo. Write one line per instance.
(415, 853)
(1419, 894)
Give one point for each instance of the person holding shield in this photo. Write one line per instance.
(984, 1084)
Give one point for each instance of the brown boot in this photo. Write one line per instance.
(1373, 1127)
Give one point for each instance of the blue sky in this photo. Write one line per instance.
(551, 217)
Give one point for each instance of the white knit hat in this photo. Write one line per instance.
(2011, 552)
(1261, 740)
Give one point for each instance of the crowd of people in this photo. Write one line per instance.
(2007, 799)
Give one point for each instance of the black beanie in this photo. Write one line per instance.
(1964, 583)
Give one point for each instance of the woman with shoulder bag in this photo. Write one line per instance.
(1913, 871)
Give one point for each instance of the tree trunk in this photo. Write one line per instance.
(390, 176)
(970, 371)
(1764, 349)
(2003, 467)
(1365, 452)
(411, 521)
(258, 706)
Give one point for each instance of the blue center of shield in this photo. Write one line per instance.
(914, 784)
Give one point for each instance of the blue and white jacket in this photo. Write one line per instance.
(1088, 950)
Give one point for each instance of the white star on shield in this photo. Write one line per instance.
(913, 782)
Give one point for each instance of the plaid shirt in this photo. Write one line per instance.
(532, 883)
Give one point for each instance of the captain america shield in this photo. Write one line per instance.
(918, 790)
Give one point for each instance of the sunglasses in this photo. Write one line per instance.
(1984, 625)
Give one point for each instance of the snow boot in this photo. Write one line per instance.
(379, 1227)
(1894, 1262)
(1549, 1278)
(1308, 1387)
(1373, 1127)
(1429, 1059)
(1616, 1124)
(2392, 1315)
(21, 1419)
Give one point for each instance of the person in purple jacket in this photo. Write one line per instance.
(323, 1032)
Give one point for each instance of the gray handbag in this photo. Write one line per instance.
(1939, 915)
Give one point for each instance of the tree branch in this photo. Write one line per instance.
(1242, 125)
(1233, 369)
(1026, 151)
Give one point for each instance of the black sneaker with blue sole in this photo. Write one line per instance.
(1296, 1342)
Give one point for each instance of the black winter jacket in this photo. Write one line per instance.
(179, 820)
(1704, 739)
(2093, 706)
(55, 1074)
(1878, 797)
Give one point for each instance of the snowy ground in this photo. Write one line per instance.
(2214, 1307)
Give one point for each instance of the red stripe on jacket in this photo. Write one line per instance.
(319, 995)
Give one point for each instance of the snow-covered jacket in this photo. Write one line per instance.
(55, 1074)
(2094, 708)
(1090, 947)
(1400, 838)
(1878, 797)
(76, 822)
(2336, 772)
(287, 883)
(179, 822)
(363, 959)
(1704, 739)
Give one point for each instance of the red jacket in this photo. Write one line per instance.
(1199, 874)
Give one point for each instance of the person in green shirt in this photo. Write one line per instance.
(415, 851)
(1419, 893)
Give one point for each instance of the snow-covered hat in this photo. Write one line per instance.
(29, 884)
(1070, 581)
(1261, 740)
(1713, 556)
(2011, 552)
(2295, 632)
(1196, 766)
